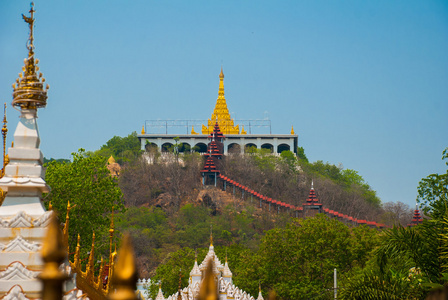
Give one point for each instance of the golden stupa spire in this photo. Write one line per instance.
(211, 235)
(143, 129)
(4, 133)
(292, 130)
(221, 113)
(29, 92)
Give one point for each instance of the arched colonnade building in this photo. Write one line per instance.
(234, 143)
(237, 140)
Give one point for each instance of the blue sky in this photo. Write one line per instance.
(365, 83)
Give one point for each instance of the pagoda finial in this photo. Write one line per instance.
(29, 92)
(30, 21)
(292, 130)
(208, 289)
(91, 262)
(221, 75)
(211, 235)
(312, 184)
(125, 275)
(53, 254)
(143, 129)
(4, 133)
(180, 284)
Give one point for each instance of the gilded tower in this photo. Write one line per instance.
(221, 114)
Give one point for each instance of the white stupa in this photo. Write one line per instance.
(22, 215)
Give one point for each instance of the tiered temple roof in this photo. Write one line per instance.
(312, 198)
(417, 218)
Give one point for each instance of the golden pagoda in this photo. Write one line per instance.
(221, 114)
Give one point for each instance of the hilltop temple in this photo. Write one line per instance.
(237, 139)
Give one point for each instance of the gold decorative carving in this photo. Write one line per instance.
(125, 274)
(53, 254)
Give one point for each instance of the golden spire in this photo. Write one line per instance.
(53, 254)
(209, 289)
(226, 254)
(292, 130)
(243, 131)
(99, 284)
(4, 133)
(221, 114)
(111, 240)
(91, 262)
(179, 295)
(143, 129)
(67, 222)
(29, 92)
(125, 274)
(211, 235)
(76, 261)
(192, 130)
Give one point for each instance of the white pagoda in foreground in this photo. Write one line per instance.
(222, 274)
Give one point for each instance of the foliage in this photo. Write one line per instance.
(433, 191)
(301, 154)
(60, 160)
(347, 178)
(391, 285)
(123, 149)
(92, 192)
(296, 260)
(409, 260)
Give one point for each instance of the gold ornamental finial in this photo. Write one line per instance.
(292, 130)
(124, 279)
(4, 133)
(272, 295)
(179, 295)
(76, 263)
(226, 254)
(53, 254)
(143, 129)
(91, 262)
(221, 75)
(209, 289)
(211, 235)
(30, 92)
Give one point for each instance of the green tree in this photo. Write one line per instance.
(409, 260)
(123, 149)
(301, 154)
(93, 193)
(298, 261)
(433, 191)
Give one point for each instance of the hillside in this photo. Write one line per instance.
(171, 192)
